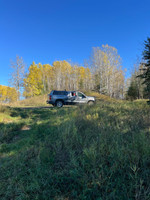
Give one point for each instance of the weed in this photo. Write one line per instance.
(99, 152)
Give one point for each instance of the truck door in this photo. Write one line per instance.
(81, 98)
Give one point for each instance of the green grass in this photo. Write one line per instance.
(100, 152)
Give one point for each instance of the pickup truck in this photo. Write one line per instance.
(60, 98)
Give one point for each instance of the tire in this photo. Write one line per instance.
(59, 104)
(90, 103)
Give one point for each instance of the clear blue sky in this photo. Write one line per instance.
(48, 30)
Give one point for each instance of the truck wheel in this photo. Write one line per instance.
(90, 103)
(59, 104)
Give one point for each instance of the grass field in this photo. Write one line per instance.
(100, 152)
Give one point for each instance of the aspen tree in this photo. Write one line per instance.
(17, 75)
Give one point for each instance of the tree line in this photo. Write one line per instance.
(140, 79)
(102, 73)
(60, 75)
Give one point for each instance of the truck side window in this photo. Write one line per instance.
(81, 95)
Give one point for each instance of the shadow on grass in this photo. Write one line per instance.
(68, 156)
(33, 126)
(27, 112)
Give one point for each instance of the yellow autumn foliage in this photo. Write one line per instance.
(60, 76)
(7, 94)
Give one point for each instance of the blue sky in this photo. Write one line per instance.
(48, 30)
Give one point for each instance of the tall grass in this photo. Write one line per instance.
(99, 152)
(3, 108)
(32, 101)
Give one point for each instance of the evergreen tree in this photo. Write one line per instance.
(146, 71)
(132, 91)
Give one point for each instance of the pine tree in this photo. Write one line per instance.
(132, 91)
(146, 71)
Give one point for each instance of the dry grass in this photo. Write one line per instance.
(101, 96)
(41, 100)
(33, 101)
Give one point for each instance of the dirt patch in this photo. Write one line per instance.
(25, 128)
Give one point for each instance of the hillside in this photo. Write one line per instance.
(41, 100)
(90, 152)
